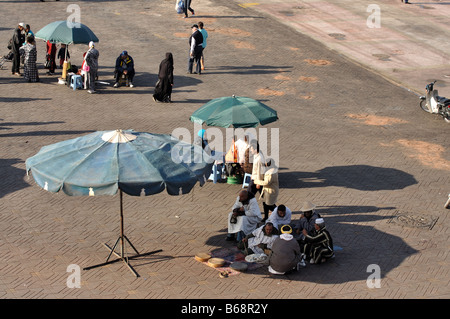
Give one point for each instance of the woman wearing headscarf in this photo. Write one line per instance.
(91, 59)
(30, 56)
(51, 57)
(163, 88)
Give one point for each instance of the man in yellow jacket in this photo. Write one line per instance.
(270, 187)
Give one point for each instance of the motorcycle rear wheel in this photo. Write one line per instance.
(423, 106)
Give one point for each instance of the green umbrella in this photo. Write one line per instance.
(234, 111)
(62, 32)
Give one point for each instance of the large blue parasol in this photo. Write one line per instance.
(105, 162)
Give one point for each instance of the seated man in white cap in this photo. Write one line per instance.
(286, 253)
(307, 219)
(245, 216)
(318, 245)
(260, 239)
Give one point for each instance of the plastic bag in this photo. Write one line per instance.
(179, 6)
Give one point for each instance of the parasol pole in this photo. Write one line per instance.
(65, 64)
(121, 225)
(122, 238)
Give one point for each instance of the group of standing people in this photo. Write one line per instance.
(23, 44)
(197, 44)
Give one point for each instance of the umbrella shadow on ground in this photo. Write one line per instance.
(145, 80)
(430, 3)
(45, 133)
(357, 247)
(12, 80)
(21, 99)
(227, 17)
(11, 178)
(246, 70)
(193, 101)
(4, 124)
(361, 177)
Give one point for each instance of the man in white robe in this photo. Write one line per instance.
(260, 239)
(280, 216)
(245, 216)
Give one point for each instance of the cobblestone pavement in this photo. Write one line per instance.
(351, 141)
(405, 43)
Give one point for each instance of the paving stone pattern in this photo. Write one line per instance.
(352, 142)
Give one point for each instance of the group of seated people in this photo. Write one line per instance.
(287, 243)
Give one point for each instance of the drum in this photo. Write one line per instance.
(202, 257)
(239, 266)
(216, 262)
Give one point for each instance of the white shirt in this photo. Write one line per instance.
(260, 238)
(258, 166)
(248, 222)
(278, 221)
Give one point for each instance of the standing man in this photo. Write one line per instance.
(91, 59)
(205, 36)
(258, 168)
(196, 49)
(270, 188)
(17, 41)
(187, 6)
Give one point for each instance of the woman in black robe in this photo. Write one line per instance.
(163, 89)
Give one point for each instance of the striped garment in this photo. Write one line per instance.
(319, 245)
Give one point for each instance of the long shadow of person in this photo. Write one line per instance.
(360, 177)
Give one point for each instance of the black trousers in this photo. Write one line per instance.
(252, 188)
(187, 6)
(267, 208)
(130, 74)
(195, 58)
